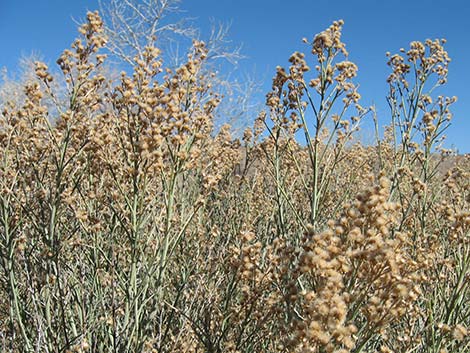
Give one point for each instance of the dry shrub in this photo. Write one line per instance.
(129, 225)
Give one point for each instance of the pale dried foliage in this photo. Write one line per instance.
(133, 25)
(128, 224)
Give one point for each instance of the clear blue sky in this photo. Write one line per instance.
(270, 30)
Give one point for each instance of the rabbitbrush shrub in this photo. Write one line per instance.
(128, 224)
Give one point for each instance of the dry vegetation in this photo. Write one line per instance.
(127, 224)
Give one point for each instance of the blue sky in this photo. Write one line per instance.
(270, 30)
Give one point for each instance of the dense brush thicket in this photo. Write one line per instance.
(128, 224)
